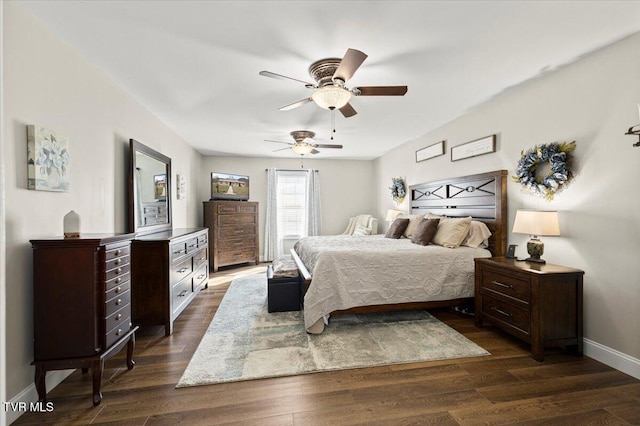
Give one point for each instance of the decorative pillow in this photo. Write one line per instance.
(425, 232)
(478, 235)
(361, 231)
(452, 231)
(414, 221)
(397, 228)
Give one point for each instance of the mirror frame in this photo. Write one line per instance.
(136, 147)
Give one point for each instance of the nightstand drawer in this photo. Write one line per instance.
(506, 313)
(506, 284)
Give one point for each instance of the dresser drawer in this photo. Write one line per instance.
(238, 219)
(113, 252)
(200, 278)
(506, 313)
(508, 285)
(202, 240)
(192, 245)
(117, 332)
(200, 258)
(120, 318)
(117, 262)
(237, 256)
(117, 302)
(236, 244)
(118, 271)
(178, 250)
(180, 270)
(117, 290)
(180, 294)
(119, 280)
(236, 231)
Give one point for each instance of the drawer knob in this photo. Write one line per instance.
(118, 289)
(118, 261)
(118, 280)
(119, 301)
(119, 270)
(119, 332)
(182, 270)
(118, 316)
(506, 314)
(118, 252)
(499, 284)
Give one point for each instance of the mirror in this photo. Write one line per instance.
(149, 189)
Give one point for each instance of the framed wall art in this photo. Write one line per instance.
(430, 151)
(474, 148)
(48, 160)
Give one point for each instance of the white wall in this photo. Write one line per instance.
(593, 101)
(49, 84)
(346, 186)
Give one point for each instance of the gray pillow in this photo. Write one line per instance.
(425, 231)
(397, 228)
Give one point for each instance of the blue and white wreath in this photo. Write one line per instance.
(557, 155)
(398, 190)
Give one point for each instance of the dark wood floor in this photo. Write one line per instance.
(506, 387)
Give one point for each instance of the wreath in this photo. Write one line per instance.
(557, 155)
(398, 190)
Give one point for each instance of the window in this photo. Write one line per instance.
(291, 204)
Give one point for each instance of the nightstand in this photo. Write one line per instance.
(540, 304)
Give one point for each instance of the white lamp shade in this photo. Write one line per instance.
(330, 97)
(392, 215)
(536, 223)
(302, 148)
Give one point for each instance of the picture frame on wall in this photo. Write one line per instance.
(430, 151)
(474, 148)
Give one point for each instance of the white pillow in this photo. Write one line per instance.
(361, 231)
(478, 235)
(414, 221)
(452, 231)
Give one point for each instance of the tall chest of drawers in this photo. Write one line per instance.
(233, 232)
(168, 270)
(540, 304)
(82, 311)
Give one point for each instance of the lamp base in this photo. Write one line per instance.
(535, 248)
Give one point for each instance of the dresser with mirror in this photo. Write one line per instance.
(169, 266)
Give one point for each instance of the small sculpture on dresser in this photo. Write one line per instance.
(71, 225)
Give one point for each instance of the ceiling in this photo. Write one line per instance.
(195, 64)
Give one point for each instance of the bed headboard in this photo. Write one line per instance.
(482, 196)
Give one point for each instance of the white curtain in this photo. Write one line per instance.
(313, 219)
(271, 242)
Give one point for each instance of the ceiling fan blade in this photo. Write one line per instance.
(281, 149)
(349, 64)
(348, 111)
(284, 77)
(315, 151)
(381, 90)
(295, 104)
(288, 143)
(323, 145)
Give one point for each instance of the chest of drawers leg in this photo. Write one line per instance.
(540, 304)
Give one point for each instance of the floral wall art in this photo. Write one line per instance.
(48, 159)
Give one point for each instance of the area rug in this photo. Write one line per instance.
(245, 342)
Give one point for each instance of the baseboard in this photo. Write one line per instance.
(618, 360)
(30, 395)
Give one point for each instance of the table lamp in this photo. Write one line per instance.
(536, 223)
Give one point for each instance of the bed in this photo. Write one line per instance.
(347, 274)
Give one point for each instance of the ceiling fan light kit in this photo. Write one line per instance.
(302, 148)
(331, 97)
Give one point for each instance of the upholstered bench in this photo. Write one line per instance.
(283, 285)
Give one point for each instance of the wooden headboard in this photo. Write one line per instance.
(482, 196)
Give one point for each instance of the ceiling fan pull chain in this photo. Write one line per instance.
(333, 122)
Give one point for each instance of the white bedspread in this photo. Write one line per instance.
(352, 271)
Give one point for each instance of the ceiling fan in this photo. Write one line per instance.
(304, 143)
(331, 75)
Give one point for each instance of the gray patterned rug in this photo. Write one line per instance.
(246, 342)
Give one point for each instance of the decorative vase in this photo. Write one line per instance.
(71, 225)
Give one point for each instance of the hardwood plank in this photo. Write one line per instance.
(507, 386)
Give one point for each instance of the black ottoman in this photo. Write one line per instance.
(283, 286)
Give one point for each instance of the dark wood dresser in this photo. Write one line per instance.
(233, 232)
(168, 270)
(82, 314)
(540, 304)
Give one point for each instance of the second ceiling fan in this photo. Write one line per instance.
(304, 143)
(331, 75)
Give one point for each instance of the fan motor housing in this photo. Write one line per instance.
(323, 70)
